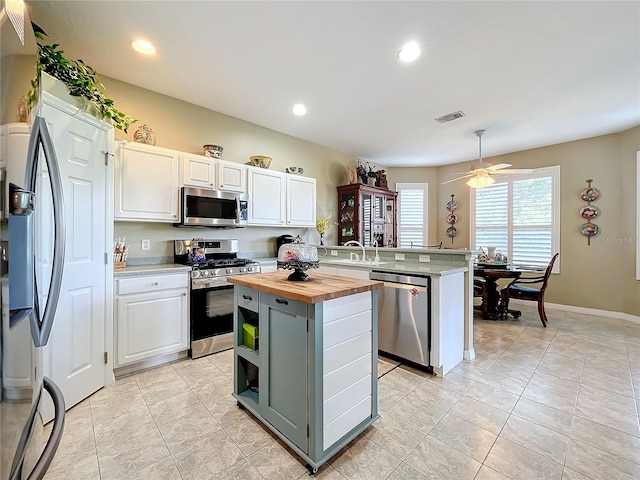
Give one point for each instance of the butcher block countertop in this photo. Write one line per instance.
(319, 288)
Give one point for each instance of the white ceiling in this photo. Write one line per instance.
(530, 73)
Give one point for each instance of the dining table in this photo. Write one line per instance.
(492, 306)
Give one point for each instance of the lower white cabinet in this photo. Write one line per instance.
(152, 316)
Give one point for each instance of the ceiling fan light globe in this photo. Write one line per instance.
(480, 181)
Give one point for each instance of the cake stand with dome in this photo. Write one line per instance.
(298, 256)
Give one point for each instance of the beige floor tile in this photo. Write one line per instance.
(105, 409)
(512, 385)
(540, 414)
(480, 414)
(596, 463)
(415, 412)
(189, 429)
(175, 407)
(436, 395)
(162, 390)
(76, 444)
(84, 469)
(562, 366)
(536, 438)
(485, 473)
(465, 437)
(123, 428)
(274, 462)
(243, 470)
(364, 459)
(607, 408)
(556, 396)
(127, 458)
(454, 382)
(248, 435)
(208, 456)
(612, 441)
(405, 472)
(162, 374)
(401, 381)
(519, 463)
(164, 469)
(493, 396)
(122, 386)
(569, 474)
(435, 459)
(394, 435)
(387, 397)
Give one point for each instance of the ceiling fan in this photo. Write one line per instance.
(480, 175)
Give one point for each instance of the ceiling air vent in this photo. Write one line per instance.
(449, 117)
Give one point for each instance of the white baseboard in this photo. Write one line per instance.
(587, 311)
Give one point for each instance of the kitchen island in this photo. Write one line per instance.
(305, 358)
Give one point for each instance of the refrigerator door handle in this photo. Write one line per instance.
(40, 138)
(53, 442)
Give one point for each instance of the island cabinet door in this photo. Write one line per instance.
(283, 376)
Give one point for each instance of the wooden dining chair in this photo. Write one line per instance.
(520, 288)
(480, 290)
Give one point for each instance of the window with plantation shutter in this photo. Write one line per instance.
(412, 214)
(520, 216)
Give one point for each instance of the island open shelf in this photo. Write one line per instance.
(313, 378)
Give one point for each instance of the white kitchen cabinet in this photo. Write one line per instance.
(301, 201)
(152, 316)
(146, 183)
(198, 171)
(231, 177)
(267, 190)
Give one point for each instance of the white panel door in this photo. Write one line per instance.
(197, 171)
(74, 356)
(266, 197)
(301, 201)
(231, 177)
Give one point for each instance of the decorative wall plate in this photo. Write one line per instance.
(589, 212)
(452, 232)
(590, 194)
(452, 205)
(589, 229)
(452, 218)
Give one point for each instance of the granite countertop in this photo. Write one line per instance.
(319, 288)
(431, 269)
(150, 269)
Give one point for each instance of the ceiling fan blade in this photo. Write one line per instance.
(500, 166)
(456, 179)
(514, 171)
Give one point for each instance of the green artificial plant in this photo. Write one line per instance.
(80, 78)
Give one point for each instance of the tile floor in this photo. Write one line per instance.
(554, 403)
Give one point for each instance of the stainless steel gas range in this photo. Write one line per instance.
(211, 305)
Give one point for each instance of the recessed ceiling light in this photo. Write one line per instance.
(409, 52)
(144, 47)
(299, 109)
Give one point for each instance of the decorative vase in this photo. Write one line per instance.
(145, 135)
(322, 239)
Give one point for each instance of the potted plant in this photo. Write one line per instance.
(80, 79)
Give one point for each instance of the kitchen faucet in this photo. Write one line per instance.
(353, 242)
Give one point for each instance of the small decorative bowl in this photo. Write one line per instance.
(214, 151)
(260, 161)
(294, 170)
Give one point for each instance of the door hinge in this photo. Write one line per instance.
(106, 357)
(106, 157)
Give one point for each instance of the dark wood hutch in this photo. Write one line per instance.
(367, 214)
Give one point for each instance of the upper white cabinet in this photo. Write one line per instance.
(147, 181)
(266, 196)
(198, 170)
(301, 201)
(279, 199)
(231, 177)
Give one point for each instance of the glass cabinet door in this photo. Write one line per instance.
(367, 218)
(347, 216)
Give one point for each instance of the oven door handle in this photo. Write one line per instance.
(210, 283)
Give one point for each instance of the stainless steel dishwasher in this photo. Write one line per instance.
(404, 317)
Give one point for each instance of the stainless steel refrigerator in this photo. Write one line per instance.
(24, 453)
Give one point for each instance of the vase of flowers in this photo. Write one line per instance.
(322, 225)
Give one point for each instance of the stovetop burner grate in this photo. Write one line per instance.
(222, 262)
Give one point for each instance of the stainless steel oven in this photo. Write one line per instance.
(211, 304)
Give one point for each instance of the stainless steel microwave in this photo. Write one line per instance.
(201, 207)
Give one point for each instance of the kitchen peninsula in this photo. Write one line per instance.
(305, 358)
